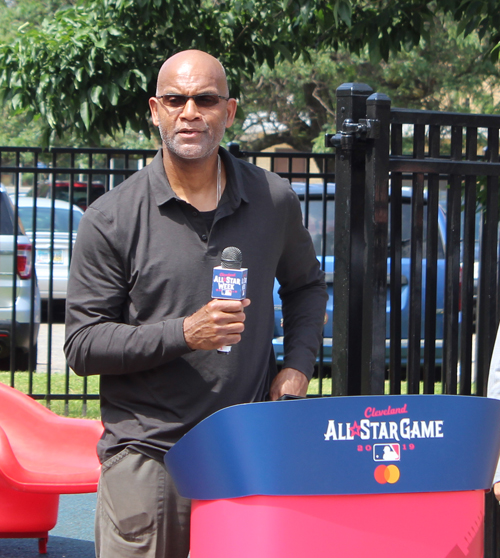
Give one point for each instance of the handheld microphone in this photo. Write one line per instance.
(229, 280)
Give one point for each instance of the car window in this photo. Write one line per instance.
(406, 233)
(6, 221)
(315, 227)
(79, 194)
(43, 222)
(61, 192)
(315, 224)
(477, 235)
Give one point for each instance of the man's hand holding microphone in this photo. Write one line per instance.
(220, 323)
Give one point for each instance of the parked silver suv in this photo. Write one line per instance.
(20, 306)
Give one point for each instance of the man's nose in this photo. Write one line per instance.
(190, 110)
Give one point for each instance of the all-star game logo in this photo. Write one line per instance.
(386, 434)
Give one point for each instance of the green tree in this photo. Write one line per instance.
(89, 68)
(15, 13)
(21, 129)
(444, 72)
(92, 66)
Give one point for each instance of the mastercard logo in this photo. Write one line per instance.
(387, 473)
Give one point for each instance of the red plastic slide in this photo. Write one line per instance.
(42, 455)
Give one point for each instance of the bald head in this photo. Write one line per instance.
(189, 66)
(191, 128)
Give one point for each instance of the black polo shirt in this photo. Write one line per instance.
(143, 261)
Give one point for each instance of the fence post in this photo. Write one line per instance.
(452, 273)
(373, 331)
(487, 318)
(348, 246)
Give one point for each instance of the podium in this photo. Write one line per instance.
(340, 477)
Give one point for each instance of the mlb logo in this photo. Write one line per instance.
(386, 452)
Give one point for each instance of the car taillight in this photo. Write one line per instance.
(24, 258)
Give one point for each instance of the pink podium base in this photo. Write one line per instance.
(434, 525)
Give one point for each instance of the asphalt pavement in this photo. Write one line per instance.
(72, 537)
(58, 361)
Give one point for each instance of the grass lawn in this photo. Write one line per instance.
(73, 384)
(327, 387)
(58, 385)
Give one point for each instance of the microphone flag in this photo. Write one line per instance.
(229, 284)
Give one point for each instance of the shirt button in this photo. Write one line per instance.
(204, 237)
(195, 214)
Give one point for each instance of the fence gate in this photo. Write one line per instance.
(418, 311)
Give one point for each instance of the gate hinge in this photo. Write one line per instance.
(351, 131)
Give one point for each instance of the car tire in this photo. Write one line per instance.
(23, 359)
(5, 364)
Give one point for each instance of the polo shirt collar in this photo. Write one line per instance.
(163, 192)
(158, 179)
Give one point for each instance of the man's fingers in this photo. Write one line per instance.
(220, 322)
(224, 317)
(228, 306)
(496, 490)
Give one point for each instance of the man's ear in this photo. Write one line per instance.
(153, 107)
(232, 105)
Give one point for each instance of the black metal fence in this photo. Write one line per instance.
(415, 197)
(433, 328)
(77, 177)
(451, 164)
(54, 177)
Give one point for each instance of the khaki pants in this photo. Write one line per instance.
(139, 512)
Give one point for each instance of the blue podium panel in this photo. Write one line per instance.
(340, 445)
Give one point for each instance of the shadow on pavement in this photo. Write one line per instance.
(58, 547)
(72, 537)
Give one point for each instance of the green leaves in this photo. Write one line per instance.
(342, 11)
(85, 113)
(91, 67)
(483, 17)
(95, 95)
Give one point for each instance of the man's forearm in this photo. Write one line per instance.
(289, 382)
(112, 348)
(303, 320)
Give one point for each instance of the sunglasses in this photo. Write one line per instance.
(204, 100)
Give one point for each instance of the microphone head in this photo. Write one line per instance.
(231, 258)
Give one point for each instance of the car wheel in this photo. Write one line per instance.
(23, 359)
(5, 364)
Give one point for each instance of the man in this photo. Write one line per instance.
(140, 313)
